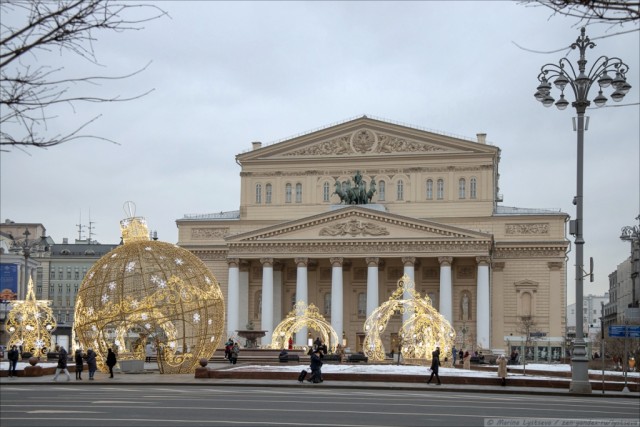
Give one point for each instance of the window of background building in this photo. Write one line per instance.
(68, 273)
(60, 273)
(66, 317)
(84, 272)
(52, 274)
(60, 288)
(382, 188)
(362, 304)
(298, 193)
(68, 288)
(76, 274)
(287, 193)
(400, 190)
(440, 189)
(59, 299)
(50, 290)
(462, 188)
(325, 192)
(75, 288)
(327, 304)
(473, 188)
(258, 193)
(269, 191)
(39, 291)
(429, 189)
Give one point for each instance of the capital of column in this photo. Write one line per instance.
(483, 260)
(497, 266)
(445, 261)
(336, 262)
(302, 262)
(555, 266)
(373, 261)
(233, 262)
(267, 262)
(409, 261)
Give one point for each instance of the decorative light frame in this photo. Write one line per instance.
(303, 316)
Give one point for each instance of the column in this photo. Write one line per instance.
(267, 299)
(446, 288)
(556, 300)
(337, 296)
(233, 296)
(277, 294)
(243, 295)
(497, 304)
(409, 270)
(372, 284)
(302, 295)
(483, 302)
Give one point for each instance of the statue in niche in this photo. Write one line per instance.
(464, 303)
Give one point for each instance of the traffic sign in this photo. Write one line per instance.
(622, 331)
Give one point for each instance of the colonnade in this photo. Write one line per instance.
(483, 316)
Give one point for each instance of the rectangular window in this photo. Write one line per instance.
(269, 191)
(68, 273)
(287, 193)
(50, 290)
(429, 189)
(39, 291)
(474, 188)
(325, 192)
(60, 288)
(60, 273)
(76, 274)
(440, 189)
(68, 288)
(382, 187)
(400, 190)
(298, 193)
(462, 188)
(258, 194)
(52, 274)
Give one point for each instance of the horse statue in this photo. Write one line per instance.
(355, 195)
(372, 190)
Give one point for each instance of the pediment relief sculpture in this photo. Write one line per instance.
(365, 141)
(354, 228)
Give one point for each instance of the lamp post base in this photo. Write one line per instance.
(580, 376)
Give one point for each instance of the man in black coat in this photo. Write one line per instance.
(316, 364)
(13, 355)
(435, 364)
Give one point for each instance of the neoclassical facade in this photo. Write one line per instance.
(435, 216)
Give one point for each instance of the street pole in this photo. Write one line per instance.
(602, 340)
(625, 365)
(564, 76)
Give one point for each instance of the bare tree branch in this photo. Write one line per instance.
(27, 93)
(593, 11)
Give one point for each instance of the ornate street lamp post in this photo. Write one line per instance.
(26, 248)
(632, 234)
(564, 76)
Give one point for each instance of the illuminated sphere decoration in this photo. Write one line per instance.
(147, 291)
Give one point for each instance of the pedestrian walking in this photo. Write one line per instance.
(111, 361)
(466, 361)
(316, 367)
(502, 369)
(62, 364)
(149, 352)
(227, 349)
(454, 352)
(435, 364)
(235, 351)
(92, 364)
(13, 355)
(79, 359)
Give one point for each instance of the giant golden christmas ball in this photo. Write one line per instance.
(153, 293)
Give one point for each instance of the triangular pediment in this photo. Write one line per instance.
(366, 137)
(356, 223)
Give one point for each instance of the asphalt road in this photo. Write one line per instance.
(67, 405)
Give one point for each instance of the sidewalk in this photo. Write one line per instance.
(152, 377)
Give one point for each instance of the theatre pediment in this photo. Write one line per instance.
(356, 222)
(366, 137)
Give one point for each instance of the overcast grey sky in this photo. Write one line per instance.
(226, 74)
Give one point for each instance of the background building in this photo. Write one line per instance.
(435, 216)
(592, 314)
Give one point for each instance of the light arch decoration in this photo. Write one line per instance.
(423, 331)
(150, 292)
(304, 316)
(30, 323)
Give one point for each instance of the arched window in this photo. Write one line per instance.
(473, 188)
(287, 193)
(440, 189)
(381, 190)
(327, 304)
(362, 304)
(325, 192)
(462, 188)
(400, 190)
(298, 193)
(429, 189)
(258, 193)
(269, 191)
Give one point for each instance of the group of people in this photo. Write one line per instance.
(231, 351)
(465, 357)
(79, 359)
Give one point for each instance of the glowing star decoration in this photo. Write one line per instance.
(112, 286)
(30, 323)
(303, 316)
(162, 300)
(423, 331)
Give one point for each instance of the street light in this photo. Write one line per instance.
(564, 76)
(26, 248)
(632, 234)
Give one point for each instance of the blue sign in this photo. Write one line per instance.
(9, 277)
(622, 331)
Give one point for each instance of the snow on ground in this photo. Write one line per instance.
(491, 371)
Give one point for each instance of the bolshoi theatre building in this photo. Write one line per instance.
(311, 228)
